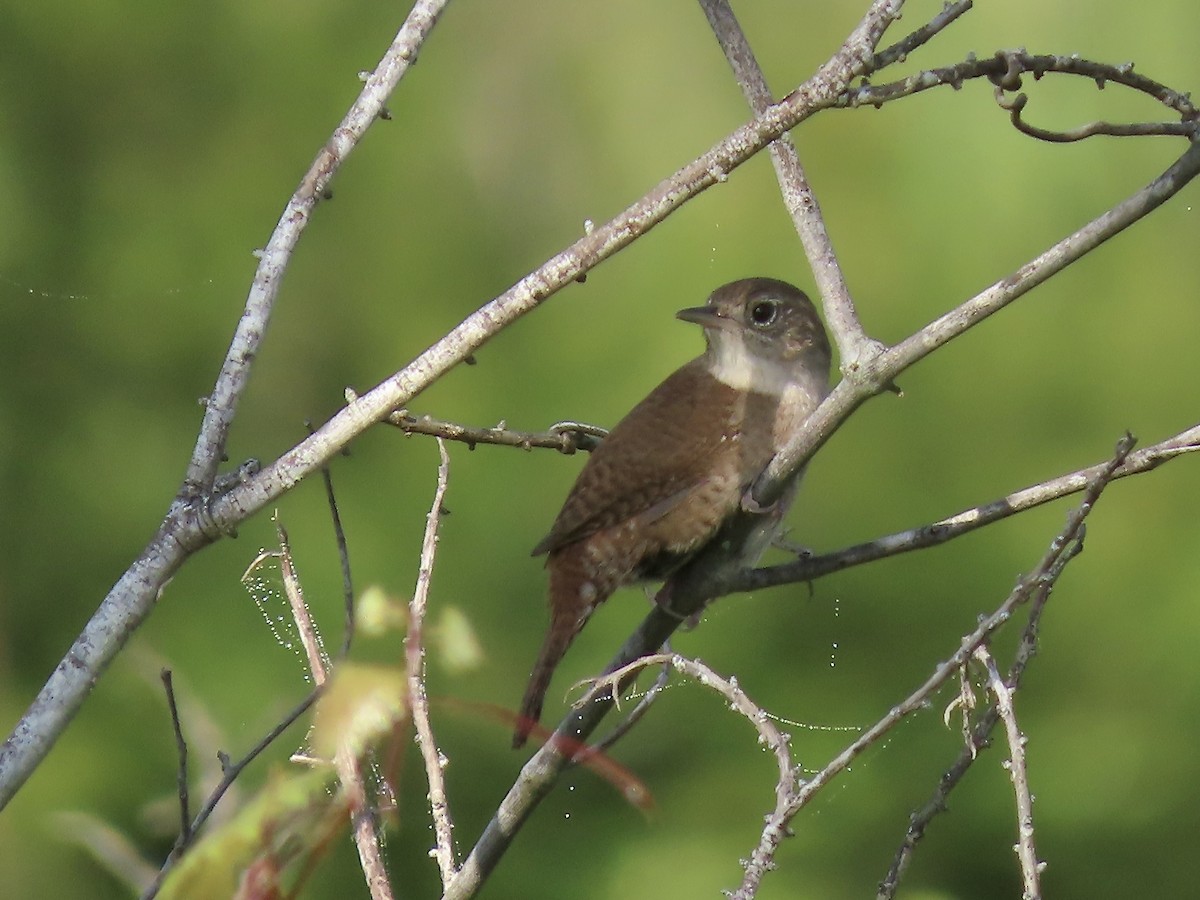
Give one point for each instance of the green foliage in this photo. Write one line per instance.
(267, 844)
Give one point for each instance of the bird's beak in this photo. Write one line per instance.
(706, 317)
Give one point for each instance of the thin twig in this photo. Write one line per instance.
(414, 652)
(565, 437)
(230, 772)
(310, 636)
(343, 549)
(900, 50)
(1018, 771)
(364, 824)
(181, 778)
(918, 822)
(639, 710)
(1005, 68)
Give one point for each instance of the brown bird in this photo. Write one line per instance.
(670, 474)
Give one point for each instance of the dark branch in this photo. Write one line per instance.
(899, 51)
(961, 523)
(230, 772)
(1005, 70)
(185, 827)
(1133, 129)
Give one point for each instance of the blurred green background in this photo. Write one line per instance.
(147, 149)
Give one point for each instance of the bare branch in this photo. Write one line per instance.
(1018, 770)
(181, 779)
(565, 437)
(221, 405)
(809, 568)
(364, 820)
(1005, 69)
(899, 51)
(798, 197)
(414, 652)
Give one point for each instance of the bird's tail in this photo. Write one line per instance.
(553, 648)
(570, 607)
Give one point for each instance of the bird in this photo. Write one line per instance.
(675, 468)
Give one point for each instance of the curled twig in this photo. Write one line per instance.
(645, 702)
(1005, 70)
(1132, 129)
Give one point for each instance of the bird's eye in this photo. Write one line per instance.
(764, 312)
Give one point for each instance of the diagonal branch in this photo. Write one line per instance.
(221, 406)
(943, 530)
(798, 197)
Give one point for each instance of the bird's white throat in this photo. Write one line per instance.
(731, 362)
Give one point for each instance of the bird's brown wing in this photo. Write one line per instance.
(650, 462)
